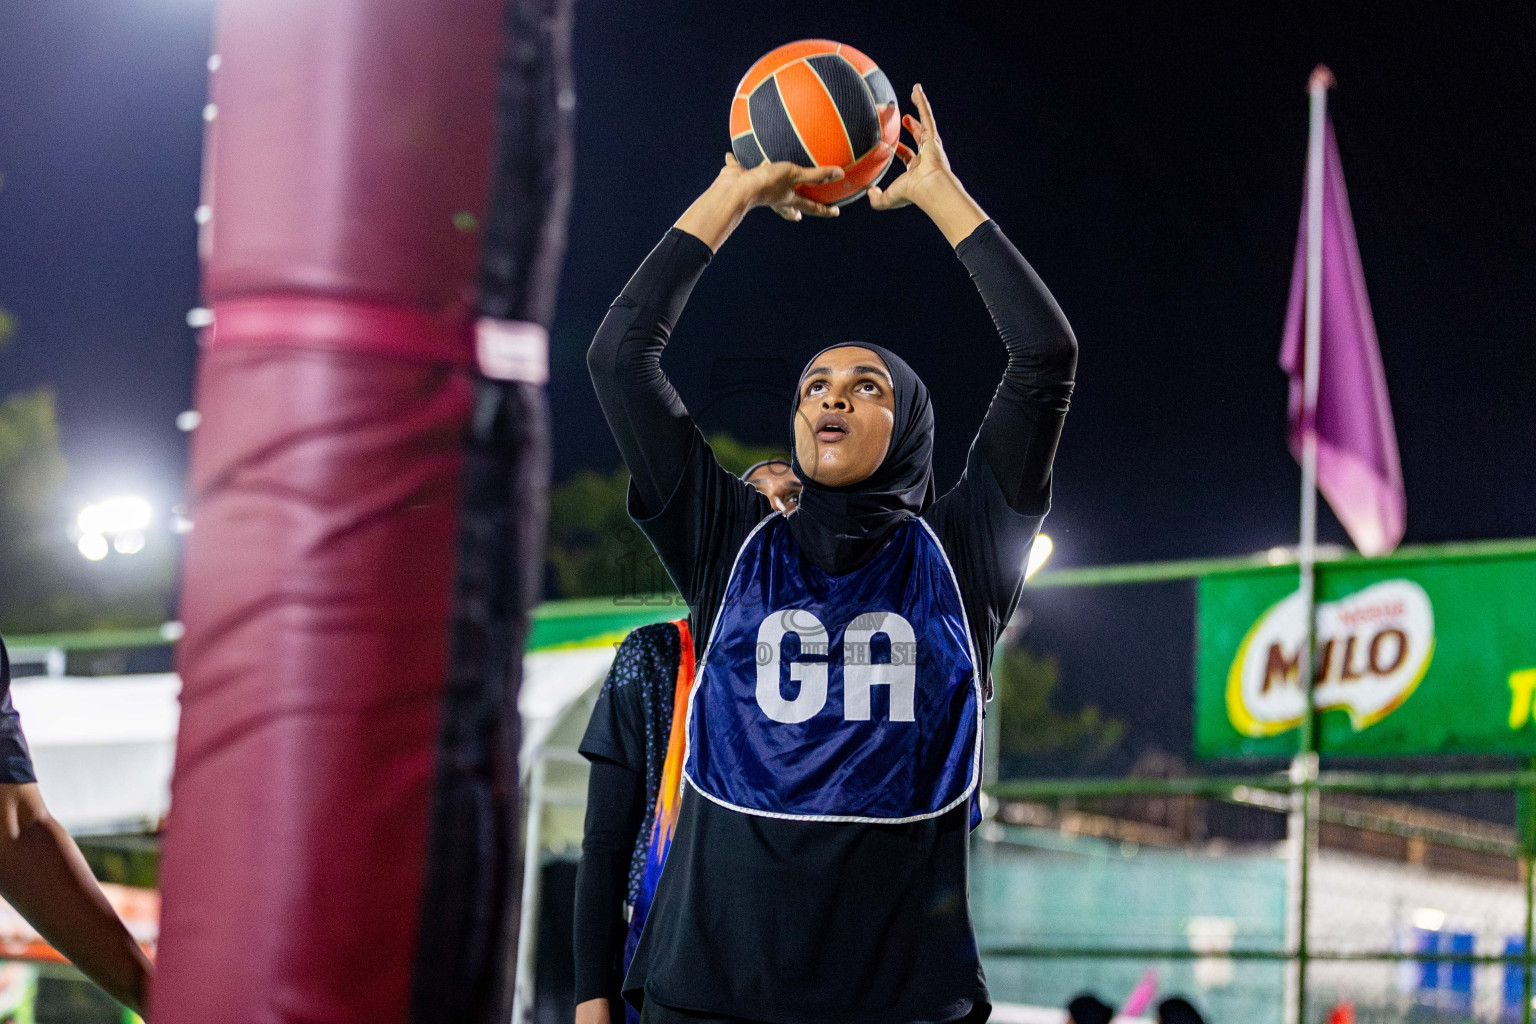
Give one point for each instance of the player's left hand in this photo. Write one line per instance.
(927, 167)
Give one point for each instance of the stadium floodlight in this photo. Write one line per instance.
(1038, 553)
(114, 524)
(115, 516)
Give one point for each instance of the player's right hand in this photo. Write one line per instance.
(773, 185)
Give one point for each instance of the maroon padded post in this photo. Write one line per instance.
(346, 170)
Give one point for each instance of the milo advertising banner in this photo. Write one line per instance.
(1413, 656)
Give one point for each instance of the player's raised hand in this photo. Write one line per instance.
(736, 191)
(928, 183)
(773, 185)
(927, 166)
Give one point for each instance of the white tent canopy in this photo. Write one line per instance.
(104, 746)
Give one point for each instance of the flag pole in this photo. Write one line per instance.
(1318, 87)
(1304, 766)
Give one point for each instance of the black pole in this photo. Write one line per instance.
(465, 965)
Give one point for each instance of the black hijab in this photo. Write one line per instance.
(841, 528)
(746, 474)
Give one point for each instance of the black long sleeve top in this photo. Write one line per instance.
(655, 433)
(803, 922)
(627, 741)
(15, 758)
(616, 803)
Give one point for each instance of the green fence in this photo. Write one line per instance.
(1101, 910)
(1057, 919)
(1262, 930)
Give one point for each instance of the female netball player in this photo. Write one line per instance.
(818, 869)
(634, 787)
(632, 802)
(44, 876)
(776, 479)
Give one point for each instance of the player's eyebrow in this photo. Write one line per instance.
(875, 371)
(826, 371)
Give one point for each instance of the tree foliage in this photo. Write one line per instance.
(31, 472)
(45, 586)
(595, 549)
(1033, 734)
(736, 457)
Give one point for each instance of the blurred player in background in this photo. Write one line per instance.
(635, 744)
(1089, 1009)
(1178, 1010)
(776, 479)
(44, 876)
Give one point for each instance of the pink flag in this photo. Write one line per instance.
(1357, 465)
(1142, 995)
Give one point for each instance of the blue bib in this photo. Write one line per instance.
(837, 698)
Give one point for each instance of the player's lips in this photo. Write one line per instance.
(831, 427)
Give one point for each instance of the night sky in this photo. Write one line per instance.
(1147, 161)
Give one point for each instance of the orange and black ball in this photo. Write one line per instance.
(818, 103)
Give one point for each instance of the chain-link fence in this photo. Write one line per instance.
(1415, 910)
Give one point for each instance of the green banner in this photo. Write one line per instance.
(1413, 656)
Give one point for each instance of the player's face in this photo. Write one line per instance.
(845, 415)
(779, 484)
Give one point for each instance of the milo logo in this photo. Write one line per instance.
(1372, 648)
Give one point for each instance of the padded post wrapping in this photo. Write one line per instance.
(466, 958)
(346, 168)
